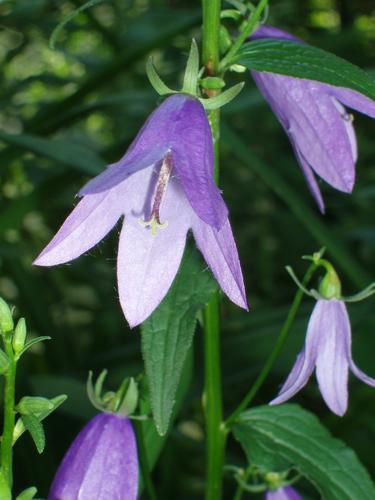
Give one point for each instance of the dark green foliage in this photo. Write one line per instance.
(78, 108)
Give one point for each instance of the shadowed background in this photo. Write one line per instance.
(65, 113)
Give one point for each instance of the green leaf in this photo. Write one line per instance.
(31, 343)
(79, 157)
(35, 427)
(278, 437)
(20, 426)
(168, 334)
(304, 61)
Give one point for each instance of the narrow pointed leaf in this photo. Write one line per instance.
(300, 60)
(27, 494)
(192, 70)
(155, 80)
(276, 438)
(168, 333)
(31, 343)
(223, 98)
(35, 428)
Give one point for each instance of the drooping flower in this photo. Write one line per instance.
(328, 349)
(316, 122)
(164, 186)
(283, 493)
(100, 464)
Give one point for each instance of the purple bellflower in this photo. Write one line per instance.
(100, 464)
(328, 349)
(284, 493)
(316, 122)
(163, 186)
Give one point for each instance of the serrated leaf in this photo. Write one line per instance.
(36, 430)
(168, 334)
(278, 437)
(62, 151)
(300, 60)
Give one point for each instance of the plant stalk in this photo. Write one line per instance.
(215, 434)
(6, 454)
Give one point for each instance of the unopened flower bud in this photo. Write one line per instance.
(330, 286)
(6, 320)
(19, 336)
(212, 83)
(32, 405)
(4, 362)
(101, 463)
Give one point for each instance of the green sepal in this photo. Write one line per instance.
(223, 98)
(6, 319)
(155, 80)
(4, 362)
(192, 70)
(27, 494)
(29, 344)
(364, 294)
(19, 336)
(33, 405)
(130, 400)
(19, 428)
(36, 430)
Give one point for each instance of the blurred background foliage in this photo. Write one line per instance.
(65, 113)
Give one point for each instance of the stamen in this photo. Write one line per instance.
(161, 188)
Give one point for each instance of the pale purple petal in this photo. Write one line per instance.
(284, 493)
(348, 122)
(193, 159)
(330, 318)
(91, 220)
(101, 463)
(267, 31)
(93, 217)
(304, 365)
(220, 252)
(311, 181)
(147, 264)
(361, 375)
(352, 99)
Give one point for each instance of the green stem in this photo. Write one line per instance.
(213, 400)
(246, 31)
(9, 413)
(143, 460)
(276, 350)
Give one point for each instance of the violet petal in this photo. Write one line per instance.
(284, 493)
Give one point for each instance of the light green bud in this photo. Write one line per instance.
(19, 336)
(33, 405)
(330, 286)
(130, 400)
(6, 320)
(27, 494)
(212, 83)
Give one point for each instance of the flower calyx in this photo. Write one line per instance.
(122, 402)
(254, 480)
(330, 285)
(192, 82)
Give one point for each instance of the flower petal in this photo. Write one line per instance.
(332, 365)
(90, 221)
(101, 463)
(220, 252)
(304, 364)
(93, 217)
(283, 493)
(353, 99)
(361, 375)
(311, 181)
(194, 162)
(147, 264)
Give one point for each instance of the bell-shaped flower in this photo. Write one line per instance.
(100, 464)
(283, 493)
(328, 349)
(316, 122)
(163, 186)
